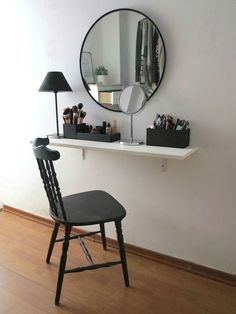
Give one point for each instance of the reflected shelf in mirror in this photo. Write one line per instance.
(107, 95)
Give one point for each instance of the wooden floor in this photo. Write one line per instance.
(27, 283)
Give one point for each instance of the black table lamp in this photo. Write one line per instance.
(55, 82)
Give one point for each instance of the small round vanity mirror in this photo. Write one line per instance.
(132, 100)
(123, 47)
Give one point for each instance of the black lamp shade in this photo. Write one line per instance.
(55, 82)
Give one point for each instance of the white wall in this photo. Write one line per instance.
(104, 46)
(187, 212)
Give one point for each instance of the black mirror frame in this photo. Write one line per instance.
(81, 50)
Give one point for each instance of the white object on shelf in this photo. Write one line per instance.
(141, 150)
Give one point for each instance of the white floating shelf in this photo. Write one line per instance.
(140, 150)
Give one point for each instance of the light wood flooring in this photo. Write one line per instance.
(27, 283)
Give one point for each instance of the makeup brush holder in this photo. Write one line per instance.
(79, 132)
(168, 138)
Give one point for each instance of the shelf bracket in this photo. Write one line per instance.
(163, 164)
(83, 153)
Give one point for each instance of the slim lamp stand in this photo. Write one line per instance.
(56, 114)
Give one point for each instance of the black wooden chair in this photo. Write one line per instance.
(81, 209)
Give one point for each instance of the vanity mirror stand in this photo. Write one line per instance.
(132, 100)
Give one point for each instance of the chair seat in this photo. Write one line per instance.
(89, 208)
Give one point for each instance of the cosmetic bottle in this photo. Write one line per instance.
(108, 129)
(114, 126)
(104, 125)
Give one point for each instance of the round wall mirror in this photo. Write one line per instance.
(122, 48)
(132, 100)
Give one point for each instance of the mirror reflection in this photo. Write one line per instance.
(132, 99)
(122, 48)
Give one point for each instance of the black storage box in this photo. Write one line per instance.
(168, 138)
(72, 131)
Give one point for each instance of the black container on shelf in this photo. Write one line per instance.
(168, 138)
(73, 131)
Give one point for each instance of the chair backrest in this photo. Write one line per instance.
(45, 157)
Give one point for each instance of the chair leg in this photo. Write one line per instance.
(52, 241)
(104, 242)
(62, 266)
(122, 252)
